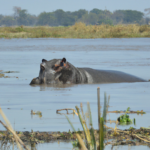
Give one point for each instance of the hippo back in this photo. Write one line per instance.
(110, 76)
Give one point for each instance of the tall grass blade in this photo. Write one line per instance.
(70, 123)
(99, 108)
(90, 116)
(105, 107)
(101, 134)
(93, 141)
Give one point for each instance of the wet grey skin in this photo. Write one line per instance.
(73, 75)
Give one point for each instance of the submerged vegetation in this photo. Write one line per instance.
(79, 30)
(39, 113)
(2, 74)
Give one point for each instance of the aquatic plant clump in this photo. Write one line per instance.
(124, 119)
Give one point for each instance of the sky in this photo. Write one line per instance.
(37, 6)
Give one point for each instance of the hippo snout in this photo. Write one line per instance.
(35, 81)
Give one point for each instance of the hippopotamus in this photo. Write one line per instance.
(74, 75)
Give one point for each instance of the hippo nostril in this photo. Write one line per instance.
(42, 67)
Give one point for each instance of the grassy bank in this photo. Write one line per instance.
(79, 30)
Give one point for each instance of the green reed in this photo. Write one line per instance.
(90, 142)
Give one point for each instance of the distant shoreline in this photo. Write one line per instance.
(79, 30)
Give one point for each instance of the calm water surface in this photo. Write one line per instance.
(18, 98)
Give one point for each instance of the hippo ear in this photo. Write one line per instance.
(44, 60)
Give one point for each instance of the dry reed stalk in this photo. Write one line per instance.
(83, 147)
(81, 106)
(81, 142)
(8, 127)
(85, 128)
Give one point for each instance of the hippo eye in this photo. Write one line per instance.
(53, 66)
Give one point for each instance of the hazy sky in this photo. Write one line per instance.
(38, 6)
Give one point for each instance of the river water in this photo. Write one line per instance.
(18, 98)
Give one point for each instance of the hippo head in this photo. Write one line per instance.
(50, 75)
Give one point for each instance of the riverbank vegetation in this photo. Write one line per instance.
(79, 30)
(78, 24)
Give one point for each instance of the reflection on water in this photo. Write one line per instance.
(60, 145)
(126, 147)
(67, 145)
(64, 146)
(54, 87)
(24, 56)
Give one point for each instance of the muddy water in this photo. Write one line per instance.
(18, 98)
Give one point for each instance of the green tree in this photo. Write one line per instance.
(69, 19)
(78, 14)
(118, 16)
(90, 18)
(131, 16)
(8, 21)
(60, 16)
(22, 18)
(46, 19)
(32, 19)
(104, 18)
(96, 11)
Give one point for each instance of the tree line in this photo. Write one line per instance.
(67, 18)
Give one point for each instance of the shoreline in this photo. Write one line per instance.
(114, 137)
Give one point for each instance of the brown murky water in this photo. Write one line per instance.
(18, 98)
